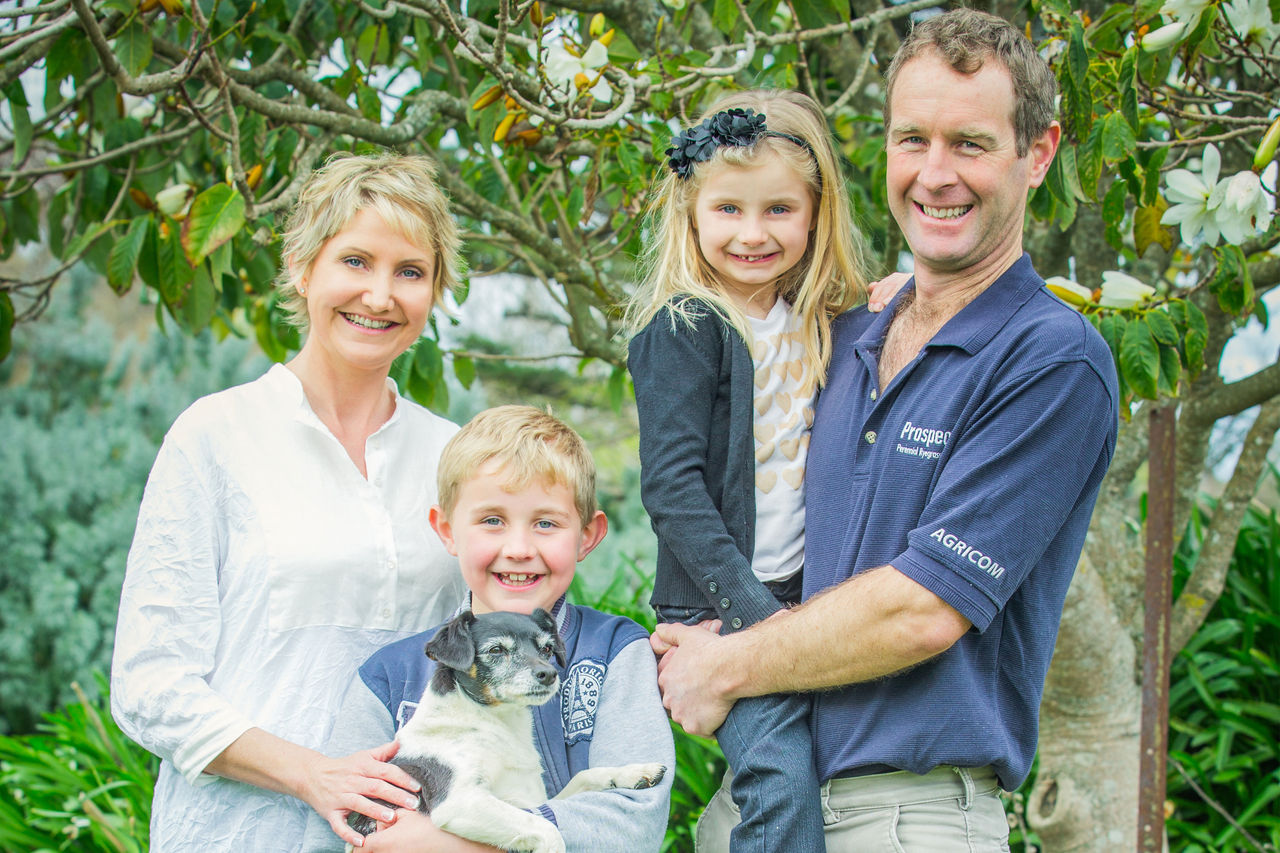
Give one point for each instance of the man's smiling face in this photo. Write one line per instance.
(956, 185)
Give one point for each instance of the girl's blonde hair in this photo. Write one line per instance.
(828, 279)
(400, 187)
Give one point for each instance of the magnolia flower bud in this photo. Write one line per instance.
(1068, 291)
(1166, 36)
(1120, 290)
(172, 200)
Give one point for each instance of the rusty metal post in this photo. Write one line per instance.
(1156, 654)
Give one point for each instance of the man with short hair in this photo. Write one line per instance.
(956, 454)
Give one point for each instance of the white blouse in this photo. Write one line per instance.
(264, 570)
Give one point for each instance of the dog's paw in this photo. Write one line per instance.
(543, 840)
(637, 776)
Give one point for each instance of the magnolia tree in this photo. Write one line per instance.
(160, 141)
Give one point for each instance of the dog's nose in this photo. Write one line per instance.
(544, 674)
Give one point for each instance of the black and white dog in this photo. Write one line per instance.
(470, 741)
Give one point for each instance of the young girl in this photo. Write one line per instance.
(755, 252)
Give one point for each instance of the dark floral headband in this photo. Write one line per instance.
(737, 127)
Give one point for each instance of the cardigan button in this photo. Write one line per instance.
(712, 587)
(870, 437)
(724, 602)
(873, 394)
(736, 623)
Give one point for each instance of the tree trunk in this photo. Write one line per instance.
(1085, 795)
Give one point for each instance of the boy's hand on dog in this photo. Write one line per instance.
(337, 787)
(413, 832)
(686, 674)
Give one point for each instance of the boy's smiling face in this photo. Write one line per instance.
(517, 548)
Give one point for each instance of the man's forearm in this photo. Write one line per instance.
(872, 625)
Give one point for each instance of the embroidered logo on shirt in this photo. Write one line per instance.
(579, 699)
(953, 543)
(923, 442)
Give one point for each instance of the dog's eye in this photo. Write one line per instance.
(548, 650)
(495, 649)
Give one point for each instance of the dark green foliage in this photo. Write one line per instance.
(82, 416)
(76, 785)
(1224, 739)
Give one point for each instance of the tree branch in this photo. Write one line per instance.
(1209, 573)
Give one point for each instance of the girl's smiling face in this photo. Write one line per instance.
(753, 225)
(369, 293)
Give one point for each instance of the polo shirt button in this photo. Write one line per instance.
(712, 586)
(870, 437)
(736, 623)
(724, 602)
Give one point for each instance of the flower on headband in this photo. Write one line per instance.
(738, 127)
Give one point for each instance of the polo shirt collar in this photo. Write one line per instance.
(980, 320)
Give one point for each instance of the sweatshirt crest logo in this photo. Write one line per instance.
(579, 699)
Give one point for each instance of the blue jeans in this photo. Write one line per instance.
(767, 743)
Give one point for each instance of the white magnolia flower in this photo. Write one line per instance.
(173, 200)
(564, 68)
(1185, 11)
(1192, 197)
(1166, 36)
(1068, 291)
(1251, 19)
(1241, 209)
(1120, 290)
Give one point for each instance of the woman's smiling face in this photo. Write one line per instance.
(369, 294)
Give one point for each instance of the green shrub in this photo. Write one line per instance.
(82, 416)
(78, 784)
(1224, 706)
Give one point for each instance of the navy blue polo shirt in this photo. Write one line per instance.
(974, 473)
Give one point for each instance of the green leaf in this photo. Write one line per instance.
(216, 215)
(123, 260)
(175, 272)
(1148, 230)
(574, 207)
(617, 388)
(1162, 328)
(369, 102)
(1139, 359)
(196, 301)
(6, 324)
(426, 380)
(22, 132)
(1194, 345)
(1128, 83)
(133, 48)
(1118, 140)
(1111, 327)
(1170, 370)
(465, 369)
(1231, 283)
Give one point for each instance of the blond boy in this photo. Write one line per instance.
(518, 509)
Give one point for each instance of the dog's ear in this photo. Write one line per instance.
(452, 645)
(546, 622)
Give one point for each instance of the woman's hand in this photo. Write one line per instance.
(881, 293)
(339, 787)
